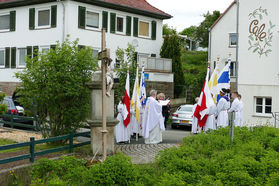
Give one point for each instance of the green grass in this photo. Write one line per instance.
(6, 142)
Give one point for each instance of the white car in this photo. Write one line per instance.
(183, 116)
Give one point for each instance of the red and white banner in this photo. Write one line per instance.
(127, 103)
(205, 101)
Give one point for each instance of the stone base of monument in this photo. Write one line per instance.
(96, 136)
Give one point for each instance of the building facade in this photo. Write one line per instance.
(258, 67)
(29, 26)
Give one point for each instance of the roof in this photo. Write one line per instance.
(223, 14)
(141, 7)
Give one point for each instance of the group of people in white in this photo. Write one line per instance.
(151, 125)
(218, 113)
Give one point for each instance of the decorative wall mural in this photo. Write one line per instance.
(261, 33)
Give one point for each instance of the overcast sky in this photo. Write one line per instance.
(188, 12)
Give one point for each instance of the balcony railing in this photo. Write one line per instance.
(155, 64)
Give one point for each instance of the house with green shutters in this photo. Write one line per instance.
(28, 25)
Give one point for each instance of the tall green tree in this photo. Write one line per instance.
(202, 32)
(127, 62)
(167, 30)
(171, 49)
(54, 86)
(189, 32)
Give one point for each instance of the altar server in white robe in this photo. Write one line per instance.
(241, 110)
(153, 121)
(211, 121)
(195, 126)
(121, 132)
(236, 109)
(222, 110)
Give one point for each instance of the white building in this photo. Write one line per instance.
(258, 53)
(27, 25)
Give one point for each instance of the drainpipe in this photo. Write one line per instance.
(237, 45)
(209, 46)
(63, 25)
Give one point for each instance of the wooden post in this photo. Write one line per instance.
(32, 149)
(104, 124)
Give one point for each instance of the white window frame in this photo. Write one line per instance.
(149, 34)
(17, 63)
(3, 49)
(44, 47)
(100, 19)
(3, 14)
(234, 69)
(124, 24)
(37, 18)
(230, 41)
(263, 114)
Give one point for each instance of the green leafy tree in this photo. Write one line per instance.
(189, 32)
(3, 107)
(168, 30)
(127, 62)
(54, 86)
(202, 32)
(171, 49)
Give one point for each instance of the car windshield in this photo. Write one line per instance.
(186, 109)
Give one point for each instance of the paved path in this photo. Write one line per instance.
(142, 153)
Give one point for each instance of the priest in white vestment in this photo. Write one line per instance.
(222, 110)
(153, 121)
(121, 132)
(236, 109)
(195, 126)
(211, 120)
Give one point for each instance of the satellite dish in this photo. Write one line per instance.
(135, 43)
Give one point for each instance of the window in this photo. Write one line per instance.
(92, 19)
(22, 52)
(263, 105)
(117, 64)
(43, 18)
(2, 57)
(95, 53)
(44, 49)
(4, 22)
(144, 29)
(233, 40)
(120, 24)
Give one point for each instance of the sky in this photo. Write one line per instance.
(188, 12)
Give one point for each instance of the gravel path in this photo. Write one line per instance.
(18, 135)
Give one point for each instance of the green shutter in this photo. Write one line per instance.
(31, 18)
(53, 16)
(7, 57)
(35, 51)
(153, 30)
(128, 25)
(136, 27)
(153, 55)
(112, 22)
(12, 20)
(105, 20)
(81, 17)
(13, 57)
(29, 51)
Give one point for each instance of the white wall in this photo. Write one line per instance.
(23, 37)
(220, 46)
(258, 76)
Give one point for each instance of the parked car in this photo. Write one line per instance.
(14, 111)
(182, 116)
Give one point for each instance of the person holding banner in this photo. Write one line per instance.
(236, 109)
(222, 109)
(195, 126)
(121, 132)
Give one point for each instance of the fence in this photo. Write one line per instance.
(19, 121)
(31, 156)
(276, 118)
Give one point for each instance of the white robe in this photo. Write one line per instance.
(236, 109)
(222, 113)
(153, 122)
(135, 126)
(195, 126)
(211, 121)
(241, 113)
(120, 131)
